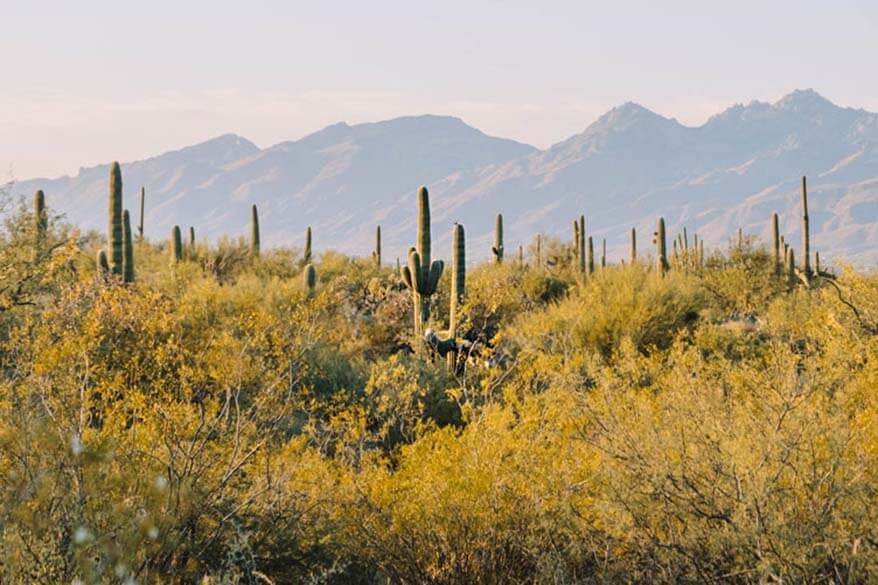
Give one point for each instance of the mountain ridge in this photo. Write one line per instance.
(626, 168)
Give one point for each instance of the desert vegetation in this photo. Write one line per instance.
(229, 413)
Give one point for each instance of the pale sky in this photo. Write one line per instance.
(86, 82)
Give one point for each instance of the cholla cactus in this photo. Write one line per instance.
(497, 249)
(254, 232)
(128, 249)
(115, 235)
(176, 245)
(309, 279)
(422, 275)
(376, 253)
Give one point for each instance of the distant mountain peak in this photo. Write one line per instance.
(804, 101)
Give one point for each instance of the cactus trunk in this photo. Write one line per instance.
(775, 244)
(632, 255)
(254, 232)
(191, 242)
(128, 249)
(102, 265)
(376, 253)
(176, 245)
(661, 247)
(306, 252)
(589, 257)
(603, 253)
(458, 287)
(142, 207)
(580, 246)
(497, 250)
(115, 235)
(422, 275)
(806, 233)
(41, 220)
(309, 279)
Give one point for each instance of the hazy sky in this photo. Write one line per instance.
(90, 81)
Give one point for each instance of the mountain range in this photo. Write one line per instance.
(624, 170)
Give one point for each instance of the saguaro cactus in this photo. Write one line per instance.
(661, 247)
(817, 263)
(539, 251)
(589, 257)
(775, 243)
(254, 232)
(309, 279)
(102, 264)
(632, 255)
(497, 249)
(581, 244)
(806, 233)
(41, 219)
(521, 255)
(791, 265)
(603, 253)
(458, 286)
(421, 275)
(142, 207)
(127, 249)
(701, 253)
(191, 241)
(376, 253)
(176, 245)
(115, 235)
(306, 252)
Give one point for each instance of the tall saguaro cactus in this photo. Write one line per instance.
(191, 241)
(539, 244)
(115, 235)
(176, 245)
(306, 252)
(254, 232)
(589, 257)
(775, 244)
(41, 220)
(142, 207)
(376, 253)
(580, 245)
(127, 249)
(806, 233)
(632, 255)
(422, 275)
(661, 247)
(603, 253)
(497, 249)
(458, 286)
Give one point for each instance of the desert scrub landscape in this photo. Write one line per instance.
(183, 412)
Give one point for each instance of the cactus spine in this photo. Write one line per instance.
(661, 247)
(142, 207)
(254, 232)
(115, 235)
(806, 233)
(497, 250)
(775, 243)
(376, 253)
(422, 275)
(309, 279)
(632, 256)
(41, 220)
(128, 249)
(306, 253)
(176, 245)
